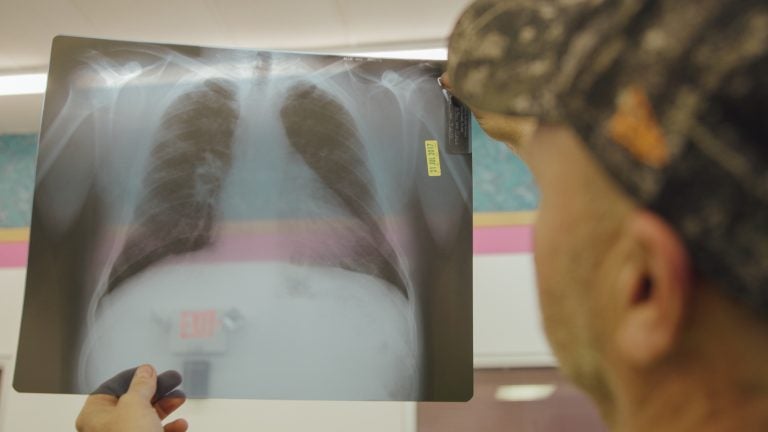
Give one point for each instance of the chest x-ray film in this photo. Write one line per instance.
(272, 225)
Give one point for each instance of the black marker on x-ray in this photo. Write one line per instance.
(459, 124)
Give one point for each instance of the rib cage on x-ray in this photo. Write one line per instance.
(176, 209)
(191, 158)
(264, 170)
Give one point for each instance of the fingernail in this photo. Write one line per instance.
(145, 371)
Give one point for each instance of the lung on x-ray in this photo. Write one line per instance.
(273, 225)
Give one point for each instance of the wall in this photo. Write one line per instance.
(506, 320)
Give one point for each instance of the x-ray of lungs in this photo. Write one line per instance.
(272, 225)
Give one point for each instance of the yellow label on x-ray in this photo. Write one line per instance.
(433, 158)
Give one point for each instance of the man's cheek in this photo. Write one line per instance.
(542, 262)
(549, 251)
(543, 239)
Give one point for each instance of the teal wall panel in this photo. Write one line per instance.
(17, 168)
(502, 183)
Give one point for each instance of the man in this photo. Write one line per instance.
(651, 241)
(643, 123)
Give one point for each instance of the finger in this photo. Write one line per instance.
(117, 385)
(178, 425)
(99, 401)
(166, 383)
(178, 393)
(168, 405)
(144, 383)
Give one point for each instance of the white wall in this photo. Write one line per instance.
(506, 333)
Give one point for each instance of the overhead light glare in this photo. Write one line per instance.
(411, 54)
(22, 84)
(524, 393)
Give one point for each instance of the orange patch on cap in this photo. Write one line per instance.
(634, 127)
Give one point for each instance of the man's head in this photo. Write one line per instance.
(652, 234)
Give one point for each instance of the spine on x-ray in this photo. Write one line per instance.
(186, 170)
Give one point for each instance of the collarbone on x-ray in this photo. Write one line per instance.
(263, 220)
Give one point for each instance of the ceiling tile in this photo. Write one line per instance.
(400, 20)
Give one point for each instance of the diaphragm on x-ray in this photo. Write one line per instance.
(272, 225)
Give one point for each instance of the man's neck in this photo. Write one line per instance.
(696, 401)
(716, 382)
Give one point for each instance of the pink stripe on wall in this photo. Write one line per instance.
(503, 240)
(13, 254)
(487, 241)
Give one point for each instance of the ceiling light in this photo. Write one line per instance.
(22, 84)
(415, 54)
(524, 393)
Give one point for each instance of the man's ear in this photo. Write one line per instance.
(655, 288)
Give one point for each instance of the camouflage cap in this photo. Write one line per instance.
(670, 96)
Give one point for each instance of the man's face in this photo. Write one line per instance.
(576, 227)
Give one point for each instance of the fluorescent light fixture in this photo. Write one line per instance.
(22, 84)
(415, 54)
(524, 393)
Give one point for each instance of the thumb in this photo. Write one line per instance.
(144, 382)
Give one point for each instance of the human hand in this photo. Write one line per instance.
(134, 401)
(514, 131)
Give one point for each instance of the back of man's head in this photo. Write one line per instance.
(669, 97)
